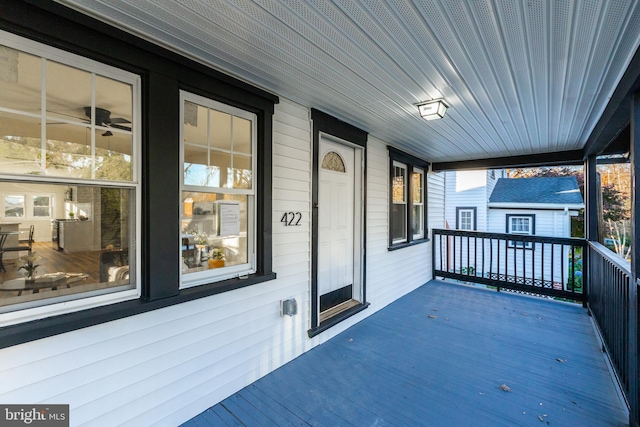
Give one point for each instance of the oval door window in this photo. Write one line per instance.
(333, 162)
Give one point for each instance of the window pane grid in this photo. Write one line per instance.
(70, 137)
(466, 220)
(520, 225)
(217, 148)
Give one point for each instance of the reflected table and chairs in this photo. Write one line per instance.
(3, 240)
(51, 281)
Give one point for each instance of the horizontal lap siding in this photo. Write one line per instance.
(436, 200)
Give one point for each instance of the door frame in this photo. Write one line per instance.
(329, 127)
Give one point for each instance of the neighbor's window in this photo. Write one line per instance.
(407, 217)
(218, 190)
(521, 224)
(466, 219)
(65, 119)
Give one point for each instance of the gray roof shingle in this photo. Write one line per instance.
(552, 190)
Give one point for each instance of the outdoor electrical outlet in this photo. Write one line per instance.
(288, 307)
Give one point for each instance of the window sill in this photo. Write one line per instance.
(405, 245)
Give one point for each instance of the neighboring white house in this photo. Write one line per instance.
(534, 206)
(486, 200)
(467, 193)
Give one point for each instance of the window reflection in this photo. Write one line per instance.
(85, 136)
(214, 226)
(82, 243)
(217, 148)
(20, 80)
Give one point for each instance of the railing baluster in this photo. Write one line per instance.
(515, 256)
(525, 251)
(533, 264)
(491, 258)
(572, 271)
(553, 263)
(455, 254)
(562, 266)
(468, 252)
(498, 266)
(543, 270)
(483, 257)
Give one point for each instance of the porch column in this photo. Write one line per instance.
(591, 185)
(591, 217)
(634, 302)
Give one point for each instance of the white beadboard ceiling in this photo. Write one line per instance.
(521, 76)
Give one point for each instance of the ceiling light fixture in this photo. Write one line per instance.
(434, 109)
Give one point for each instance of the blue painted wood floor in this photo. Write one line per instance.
(439, 357)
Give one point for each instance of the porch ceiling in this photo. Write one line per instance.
(521, 77)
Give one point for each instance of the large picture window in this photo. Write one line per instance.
(407, 216)
(218, 190)
(67, 126)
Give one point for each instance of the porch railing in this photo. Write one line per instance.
(549, 266)
(609, 304)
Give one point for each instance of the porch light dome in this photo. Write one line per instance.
(434, 109)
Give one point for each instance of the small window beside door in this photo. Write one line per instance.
(407, 199)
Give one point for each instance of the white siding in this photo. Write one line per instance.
(165, 366)
(436, 188)
(547, 222)
(467, 189)
(492, 179)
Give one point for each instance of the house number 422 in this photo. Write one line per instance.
(291, 219)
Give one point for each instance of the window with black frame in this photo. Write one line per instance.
(407, 199)
(68, 180)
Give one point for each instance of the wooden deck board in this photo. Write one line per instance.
(437, 357)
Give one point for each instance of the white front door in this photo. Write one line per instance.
(338, 263)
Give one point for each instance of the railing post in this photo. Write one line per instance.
(585, 274)
(433, 253)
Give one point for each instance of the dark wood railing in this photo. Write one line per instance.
(549, 266)
(610, 279)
